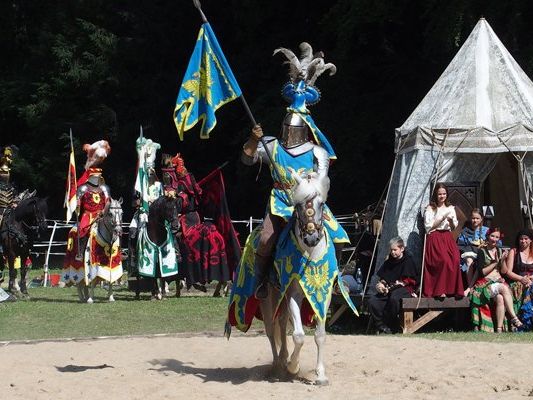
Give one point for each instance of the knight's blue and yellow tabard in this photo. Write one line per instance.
(278, 202)
(242, 302)
(315, 273)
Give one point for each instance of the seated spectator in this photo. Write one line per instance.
(518, 269)
(397, 279)
(473, 235)
(442, 277)
(490, 287)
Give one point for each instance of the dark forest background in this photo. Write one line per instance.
(103, 68)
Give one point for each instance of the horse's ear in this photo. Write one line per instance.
(120, 200)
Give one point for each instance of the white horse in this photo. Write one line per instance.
(309, 196)
(108, 234)
(307, 267)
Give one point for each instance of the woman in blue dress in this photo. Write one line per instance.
(473, 235)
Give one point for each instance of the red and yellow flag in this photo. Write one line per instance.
(72, 187)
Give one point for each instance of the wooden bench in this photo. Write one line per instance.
(433, 306)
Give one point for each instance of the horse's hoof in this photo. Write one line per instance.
(293, 370)
(111, 299)
(90, 301)
(322, 382)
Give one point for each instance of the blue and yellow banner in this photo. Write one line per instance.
(208, 85)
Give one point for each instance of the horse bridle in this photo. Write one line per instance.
(38, 221)
(309, 225)
(116, 229)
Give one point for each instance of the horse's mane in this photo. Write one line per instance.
(308, 188)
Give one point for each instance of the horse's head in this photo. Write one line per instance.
(32, 213)
(167, 208)
(114, 213)
(309, 195)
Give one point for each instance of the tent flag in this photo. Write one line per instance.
(214, 205)
(71, 187)
(208, 84)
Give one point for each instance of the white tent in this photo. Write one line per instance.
(474, 122)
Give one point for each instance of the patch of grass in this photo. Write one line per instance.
(518, 337)
(53, 313)
(57, 313)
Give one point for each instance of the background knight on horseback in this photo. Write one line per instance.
(93, 245)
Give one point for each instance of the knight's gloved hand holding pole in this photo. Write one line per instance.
(250, 147)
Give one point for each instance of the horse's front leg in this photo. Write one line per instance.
(282, 334)
(218, 288)
(80, 286)
(295, 298)
(88, 291)
(267, 311)
(23, 273)
(110, 292)
(320, 340)
(13, 287)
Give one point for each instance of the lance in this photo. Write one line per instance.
(254, 123)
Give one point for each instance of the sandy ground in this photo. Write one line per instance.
(211, 367)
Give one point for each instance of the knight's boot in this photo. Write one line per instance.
(262, 267)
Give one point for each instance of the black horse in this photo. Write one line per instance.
(162, 211)
(19, 228)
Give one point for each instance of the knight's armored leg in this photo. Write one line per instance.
(262, 268)
(81, 249)
(272, 225)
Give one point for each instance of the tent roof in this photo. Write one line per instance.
(483, 102)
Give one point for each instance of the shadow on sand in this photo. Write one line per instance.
(236, 376)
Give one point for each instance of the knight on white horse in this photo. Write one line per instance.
(299, 232)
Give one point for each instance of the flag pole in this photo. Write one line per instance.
(252, 119)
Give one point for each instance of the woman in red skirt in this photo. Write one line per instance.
(442, 275)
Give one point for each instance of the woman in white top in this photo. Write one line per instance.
(442, 275)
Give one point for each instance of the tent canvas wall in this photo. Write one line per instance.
(479, 110)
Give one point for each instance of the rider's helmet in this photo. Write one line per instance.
(95, 178)
(300, 92)
(294, 131)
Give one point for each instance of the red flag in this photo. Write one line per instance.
(71, 187)
(215, 206)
